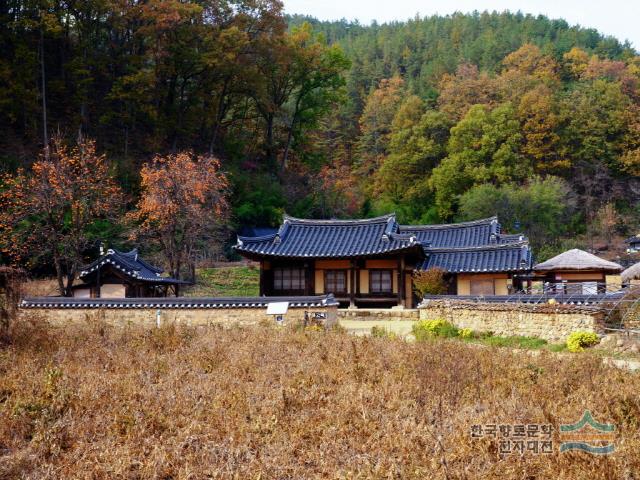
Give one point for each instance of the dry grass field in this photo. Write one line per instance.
(262, 403)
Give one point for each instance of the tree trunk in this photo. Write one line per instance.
(59, 275)
(294, 117)
(222, 109)
(45, 136)
(270, 150)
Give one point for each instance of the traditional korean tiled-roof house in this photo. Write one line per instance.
(634, 244)
(370, 262)
(124, 275)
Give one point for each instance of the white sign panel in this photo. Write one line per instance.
(277, 308)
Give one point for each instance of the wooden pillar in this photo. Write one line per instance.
(352, 285)
(401, 280)
(98, 283)
(262, 278)
(311, 278)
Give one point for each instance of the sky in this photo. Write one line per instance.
(619, 18)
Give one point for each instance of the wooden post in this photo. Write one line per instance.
(262, 278)
(352, 284)
(401, 280)
(98, 283)
(311, 278)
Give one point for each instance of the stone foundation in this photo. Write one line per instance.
(550, 322)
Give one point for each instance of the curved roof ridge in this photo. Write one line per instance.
(335, 221)
(435, 226)
(492, 246)
(263, 238)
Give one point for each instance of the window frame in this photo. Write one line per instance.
(379, 271)
(289, 279)
(335, 271)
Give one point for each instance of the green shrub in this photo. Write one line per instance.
(465, 333)
(515, 341)
(578, 341)
(381, 332)
(425, 329)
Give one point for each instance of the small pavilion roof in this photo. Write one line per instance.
(578, 260)
(131, 265)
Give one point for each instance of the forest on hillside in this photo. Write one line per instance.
(439, 118)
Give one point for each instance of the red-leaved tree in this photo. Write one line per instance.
(47, 213)
(183, 205)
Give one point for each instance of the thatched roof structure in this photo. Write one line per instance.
(577, 260)
(631, 273)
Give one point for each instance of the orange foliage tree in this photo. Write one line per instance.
(183, 204)
(429, 282)
(48, 213)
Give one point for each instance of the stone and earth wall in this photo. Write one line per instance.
(63, 317)
(550, 322)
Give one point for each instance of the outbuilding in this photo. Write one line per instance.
(576, 271)
(124, 275)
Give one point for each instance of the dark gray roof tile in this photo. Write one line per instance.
(131, 265)
(488, 258)
(301, 238)
(177, 302)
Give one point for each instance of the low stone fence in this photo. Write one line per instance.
(552, 322)
(180, 311)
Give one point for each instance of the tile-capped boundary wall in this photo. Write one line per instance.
(550, 322)
(63, 317)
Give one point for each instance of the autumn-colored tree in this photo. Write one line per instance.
(530, 60)
(48, 213)
(540, 123)
(605, 222)
(375, 123)
(468, 87)
(429, 282)
(183, 204)
(575, 62)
